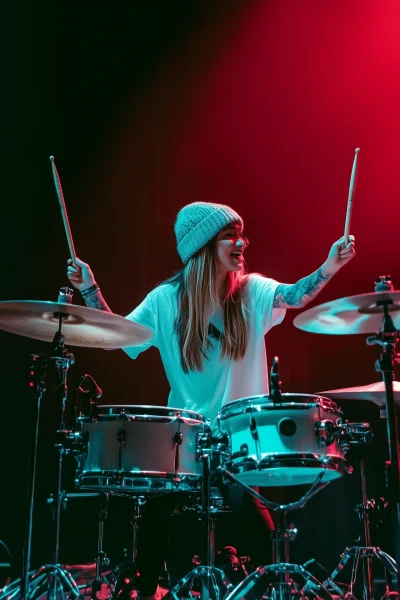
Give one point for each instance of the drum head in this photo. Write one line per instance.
(290, 470)
(263, 402)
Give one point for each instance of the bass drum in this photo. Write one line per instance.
(140, 449)
(283, 444)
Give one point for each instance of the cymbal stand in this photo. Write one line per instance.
(213, 581)
(387, 338)
(362, 549)
(284, 587)
(37, 383)
(32, 583)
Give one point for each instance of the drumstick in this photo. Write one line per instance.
(352, 188)
(63, 209)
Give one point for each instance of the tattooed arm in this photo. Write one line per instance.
(297, 295)
(82, 278)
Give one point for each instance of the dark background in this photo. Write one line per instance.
(150, 105)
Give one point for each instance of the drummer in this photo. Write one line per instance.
(208, 322)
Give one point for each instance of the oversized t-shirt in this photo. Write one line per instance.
(222, 380)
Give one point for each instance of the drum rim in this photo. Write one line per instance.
(282, 460)
(233, 406)
(163, 412)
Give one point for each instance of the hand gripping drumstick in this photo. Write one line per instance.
(63, 209)
(352, 188)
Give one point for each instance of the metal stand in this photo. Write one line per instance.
(128, 573)
(387, 338)
(101, 559)
(31, 584)
(38, 372)
(213, 582)
(362, 552)
(282, 586)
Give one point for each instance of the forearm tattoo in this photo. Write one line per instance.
(97, 301)
(301, 293)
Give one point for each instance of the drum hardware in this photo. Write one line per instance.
(177, 441)
(377, 313)
(255, 437)
(294, 439)
(127, 574)
(228, 557)
(118, 456)
(90, 396)
(275, 385)
(213, 581)
(52, 574)
(363, 553)
(281, 586)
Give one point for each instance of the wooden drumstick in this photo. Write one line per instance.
(352, 188)
(63, 209)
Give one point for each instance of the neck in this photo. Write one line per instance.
(220, 287)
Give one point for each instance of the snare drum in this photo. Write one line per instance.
(140, 449)
(288, 443)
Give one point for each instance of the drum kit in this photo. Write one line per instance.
(275, 440)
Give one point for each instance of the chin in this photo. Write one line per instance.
(236, 268)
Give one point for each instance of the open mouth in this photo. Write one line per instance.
(237, 255)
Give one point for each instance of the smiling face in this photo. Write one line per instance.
(230, 245)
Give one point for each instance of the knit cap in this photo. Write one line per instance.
(197, 223)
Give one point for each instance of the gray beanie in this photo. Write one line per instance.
(197, 223)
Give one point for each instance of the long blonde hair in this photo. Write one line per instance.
(197, 301)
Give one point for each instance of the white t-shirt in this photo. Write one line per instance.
(221, 381)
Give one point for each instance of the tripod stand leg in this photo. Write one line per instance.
(388, 561)
(342, 563)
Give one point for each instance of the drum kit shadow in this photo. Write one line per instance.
(275, 440)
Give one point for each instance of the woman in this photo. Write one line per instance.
(209, 321)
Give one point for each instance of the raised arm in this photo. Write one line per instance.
(82, 278)
(297, 295)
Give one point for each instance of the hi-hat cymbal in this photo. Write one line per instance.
(81, 326)
(374, 392)
(347, 316)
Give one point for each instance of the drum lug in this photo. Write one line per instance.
(325, 431)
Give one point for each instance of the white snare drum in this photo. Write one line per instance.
(283, 444)
(141, 449)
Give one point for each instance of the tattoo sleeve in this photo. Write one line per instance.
(297, 295)
(97, 301)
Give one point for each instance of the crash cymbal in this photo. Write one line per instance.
(81, 326)
(374, 392)
(347, 316)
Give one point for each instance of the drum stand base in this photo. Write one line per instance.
(213, 584)
(363, 552)
(49, 579)
(281, 586)
(360, 554)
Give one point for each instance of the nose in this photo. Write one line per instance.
(239, 243)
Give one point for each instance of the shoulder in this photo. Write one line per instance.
(164, 292)
(260, 284)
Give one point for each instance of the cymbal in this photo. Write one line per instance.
(81, 326)
(374, 392)
(351, 315)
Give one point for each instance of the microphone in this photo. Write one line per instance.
(275, 384)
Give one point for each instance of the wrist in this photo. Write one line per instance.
(90, 291)
(328, 270)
